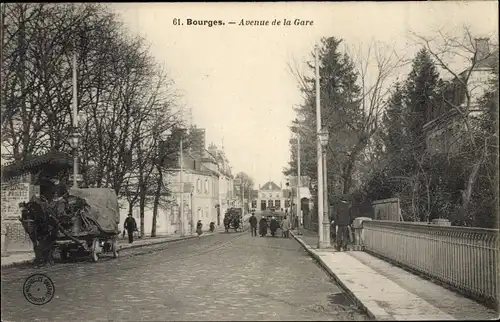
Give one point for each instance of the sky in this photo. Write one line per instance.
(235, 79)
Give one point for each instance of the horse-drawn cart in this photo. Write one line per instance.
(234, 219)
(75, 221)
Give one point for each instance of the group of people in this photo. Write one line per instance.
(273, 226)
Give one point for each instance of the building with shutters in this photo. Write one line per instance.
(270, 195)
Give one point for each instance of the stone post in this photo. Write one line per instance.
(357, 225)
(441, 222)
(4, 240)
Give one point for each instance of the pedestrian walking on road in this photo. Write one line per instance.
(253, 224)
(274, 225)
(263, 227)
(130, 226)
(227, 221)
(199, 227)
(285, 226)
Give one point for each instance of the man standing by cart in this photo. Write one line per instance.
(130, 226)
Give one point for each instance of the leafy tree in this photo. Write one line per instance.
(421, 95)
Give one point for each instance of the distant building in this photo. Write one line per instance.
(270, 195)
(444, 125)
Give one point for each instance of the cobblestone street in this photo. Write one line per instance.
(222, 277)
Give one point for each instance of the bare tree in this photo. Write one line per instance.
(446, 49)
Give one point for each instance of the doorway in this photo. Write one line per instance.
(263, 205)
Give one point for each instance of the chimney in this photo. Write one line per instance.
(482, 49)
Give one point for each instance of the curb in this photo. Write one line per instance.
(160, 242)
(21, 263)
(370, 310)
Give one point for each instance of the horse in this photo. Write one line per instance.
(41, 228)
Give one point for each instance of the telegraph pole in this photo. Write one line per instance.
(181, 208)
(320, 204)
(299, 203)
(75, 124)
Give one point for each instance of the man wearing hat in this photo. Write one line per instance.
(130, 226)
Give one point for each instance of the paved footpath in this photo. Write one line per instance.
(388, 292)
(226, 276)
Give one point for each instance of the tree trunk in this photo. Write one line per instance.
(466, 195)
(156, 201)
(142, 205)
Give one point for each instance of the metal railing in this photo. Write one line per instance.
(461, 257)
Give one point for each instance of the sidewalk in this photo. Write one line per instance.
(24, 258)
(387, 292)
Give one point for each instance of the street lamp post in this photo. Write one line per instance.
(319, 150)
(323, 139)
(75, 143)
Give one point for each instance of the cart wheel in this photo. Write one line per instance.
(94, 250)
(114, 248)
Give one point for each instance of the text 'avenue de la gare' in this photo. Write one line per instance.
(275, 22)
(243, 22)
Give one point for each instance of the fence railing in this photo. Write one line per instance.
(461, 257)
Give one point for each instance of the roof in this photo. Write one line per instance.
(56, 160)
(270, 186)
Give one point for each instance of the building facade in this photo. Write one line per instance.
(270, 195)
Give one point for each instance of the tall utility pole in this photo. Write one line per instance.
(75, 124)
(181, 179)
(320, 204)
(299, 203)
(242, 198)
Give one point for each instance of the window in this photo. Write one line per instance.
(206, 186)
(277, 204)
(198, 185)
(254, 203)
(287, 203)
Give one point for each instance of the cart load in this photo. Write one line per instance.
(102, 209)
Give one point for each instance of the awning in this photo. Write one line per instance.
(56, 160)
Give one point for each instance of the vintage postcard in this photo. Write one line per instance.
(249, 161)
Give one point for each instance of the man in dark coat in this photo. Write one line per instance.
(130, 226)
(274, 225)
(253, 224)
(342, 221)
(263, 227)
